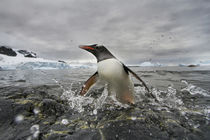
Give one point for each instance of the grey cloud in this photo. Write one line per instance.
(135, 31)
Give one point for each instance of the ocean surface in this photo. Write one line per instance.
(184, 89)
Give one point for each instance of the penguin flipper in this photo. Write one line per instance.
(136, 76)
(92, 80)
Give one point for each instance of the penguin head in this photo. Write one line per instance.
(99, 51)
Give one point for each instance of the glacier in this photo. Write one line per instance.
(20, 61)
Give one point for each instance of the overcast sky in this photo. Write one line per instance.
(165, 31)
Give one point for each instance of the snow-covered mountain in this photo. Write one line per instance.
(22, 59)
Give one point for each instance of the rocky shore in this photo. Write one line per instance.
(38, 113)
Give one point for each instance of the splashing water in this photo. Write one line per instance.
(192, 89)
(75, 101)
(78, 103)
(168, 99)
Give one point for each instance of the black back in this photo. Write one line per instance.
(101, 52)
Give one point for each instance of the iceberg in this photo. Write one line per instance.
(149, 64)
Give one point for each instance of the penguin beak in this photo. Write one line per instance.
(86, 47)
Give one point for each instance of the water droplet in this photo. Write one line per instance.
(133, 118)
(36, 111)
(196, 126)
(95, 112)
(65, 121)
(19, 118)
(150, 134)
(35, 130)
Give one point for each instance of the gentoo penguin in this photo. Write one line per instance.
(114, 72)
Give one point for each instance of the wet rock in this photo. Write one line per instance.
(51, 107)
(39, 113)
(6, 113)
(86, 134)
(129, 129)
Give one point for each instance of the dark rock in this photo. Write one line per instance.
(6, 112)
(142, 121)
(193, 65)
(86, 134)
(27, 53)
(21, 80)
(133, 129)
(61, 61)
(7, 51)
(51, 107)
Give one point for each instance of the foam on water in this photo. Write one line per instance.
(192, 89)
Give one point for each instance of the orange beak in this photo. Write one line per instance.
(85, 47)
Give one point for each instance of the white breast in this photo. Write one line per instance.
(111, 70)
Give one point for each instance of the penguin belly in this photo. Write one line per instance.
(112, 71)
